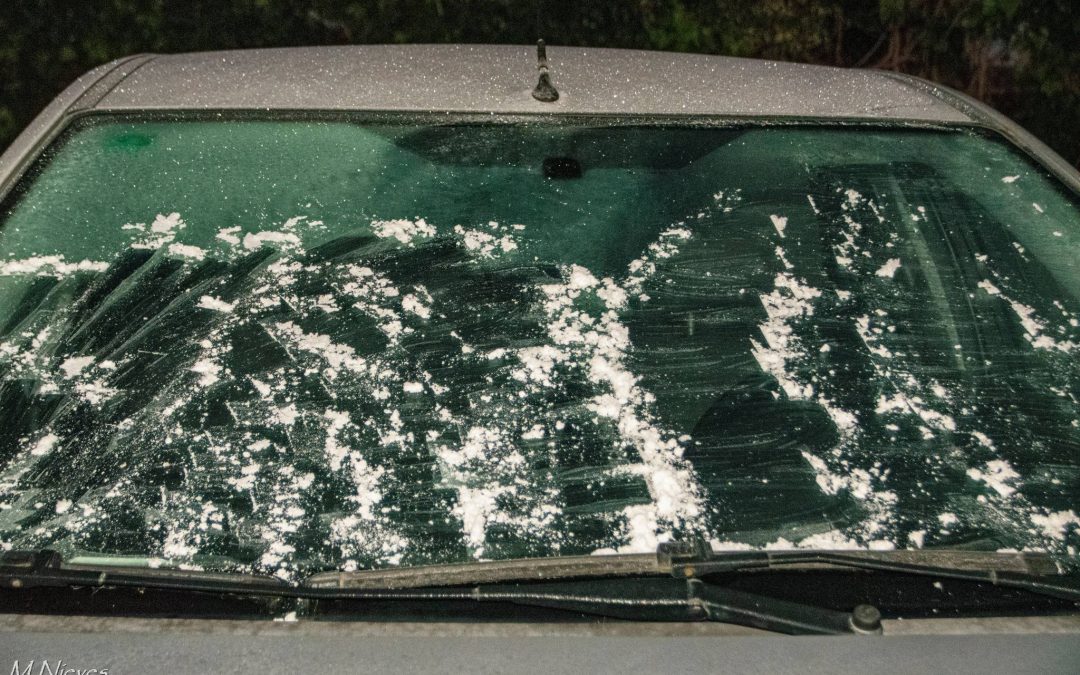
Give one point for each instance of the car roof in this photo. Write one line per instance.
(500, 78)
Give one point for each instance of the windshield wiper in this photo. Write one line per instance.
(678, 583)
(632, 598)
(640, 586)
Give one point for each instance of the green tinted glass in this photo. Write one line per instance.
(293, 346)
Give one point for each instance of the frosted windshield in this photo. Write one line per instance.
(294, 346)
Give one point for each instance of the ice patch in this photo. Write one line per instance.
(888, 270)
(376, 296)
(1034, 329)
(833, 540)
(208, 372)
(215, 304)
(44, 445)
(484, 244)
(789, 301)
(338, 356)
(475, 507)
(780, 223)
(49, 266)
(859, 483)
(287, 415)
(228, 234)
(997, 474)
(166, 224)
(722, 546)
(405, 231)
(94, 392)
(75, 365)
(412, 304)
(255, 240)
(186, 251)
(1056, 524)
(164, 228)
(535, 433)
(902, 403)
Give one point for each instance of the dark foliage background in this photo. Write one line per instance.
(1021, 56)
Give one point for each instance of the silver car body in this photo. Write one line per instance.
(497, 81)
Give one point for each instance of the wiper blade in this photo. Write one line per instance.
(47, 569)
(495, 571)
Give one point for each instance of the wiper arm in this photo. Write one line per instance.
(1034, 573)
(648, 599)
(692, 600)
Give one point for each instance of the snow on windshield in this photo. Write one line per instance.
(360, 373)
(845, 367)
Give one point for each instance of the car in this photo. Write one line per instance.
(326, 356)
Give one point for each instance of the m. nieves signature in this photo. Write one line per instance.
(55, 667)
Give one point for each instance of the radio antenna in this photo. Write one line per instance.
(544, 91)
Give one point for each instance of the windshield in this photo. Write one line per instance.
(295, 346)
